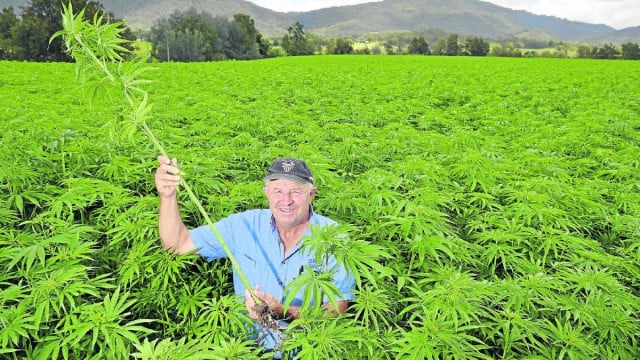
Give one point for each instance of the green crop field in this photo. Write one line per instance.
(493, 204)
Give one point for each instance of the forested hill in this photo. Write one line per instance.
(471, 17)
(140, 14)
(467, 17)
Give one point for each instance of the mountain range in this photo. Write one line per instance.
(464, 17)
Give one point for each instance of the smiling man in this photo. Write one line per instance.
(265, 242)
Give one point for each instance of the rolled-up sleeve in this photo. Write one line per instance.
(206, 241)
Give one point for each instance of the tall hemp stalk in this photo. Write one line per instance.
(97, 45)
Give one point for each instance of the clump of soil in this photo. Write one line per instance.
(267, 318)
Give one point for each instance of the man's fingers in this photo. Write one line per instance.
(167, 176)
(164, 178)
(250, 304)
(168, 166)
(163, 160)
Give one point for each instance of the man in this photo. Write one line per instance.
(266, 243)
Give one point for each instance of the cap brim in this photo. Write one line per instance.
(298, 179)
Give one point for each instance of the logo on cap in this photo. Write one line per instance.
(288, 165)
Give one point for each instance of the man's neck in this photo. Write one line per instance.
(291, 235)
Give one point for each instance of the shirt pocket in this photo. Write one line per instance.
(249, 266)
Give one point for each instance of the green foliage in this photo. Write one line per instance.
(295, 42)
(8, 20)
(102, 324)
(631, 51)
(95, 47)
(318, 337)
(197, 36)
(476, 46)
(486, 217)
(39, 20)
(451, 46)
(418, 46)
(607, 51)
(343, 46)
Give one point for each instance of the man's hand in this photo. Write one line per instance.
(167, 178)
(269, 300)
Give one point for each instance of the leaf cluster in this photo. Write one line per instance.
(487, 216)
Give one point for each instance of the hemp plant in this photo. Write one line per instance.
(97, 48)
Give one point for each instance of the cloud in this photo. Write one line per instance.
(616, 13)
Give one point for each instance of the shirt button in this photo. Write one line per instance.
(284, 262)
(280, 283)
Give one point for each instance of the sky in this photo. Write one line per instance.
(615, 13)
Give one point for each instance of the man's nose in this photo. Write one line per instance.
(287, 197)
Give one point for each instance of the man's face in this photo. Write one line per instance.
(289, 201)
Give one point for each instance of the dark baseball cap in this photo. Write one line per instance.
(290, 169)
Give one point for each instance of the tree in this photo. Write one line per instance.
(388, 48)
(418, 46)
(562, 50)
(198, 36)
(8, 20)
(584, 51)
(343, 46)
(185, 36)
(476, 46)
(608, 51)
(631, 51)
(506, 50)
(440, 47)
(249, 45)
(400, 49)
(40, 19)
(233, 43)
(264, 45)
(295, 41)
(451, 45)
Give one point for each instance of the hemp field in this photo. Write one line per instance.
(504, 194)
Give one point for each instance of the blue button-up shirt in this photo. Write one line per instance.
(254, 240)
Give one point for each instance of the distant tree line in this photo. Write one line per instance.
(198, 36)
(27, 37)
(451, 45)
(628, 51)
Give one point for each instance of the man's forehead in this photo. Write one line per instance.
(285, 184)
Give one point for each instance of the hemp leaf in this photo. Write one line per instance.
(97, 46)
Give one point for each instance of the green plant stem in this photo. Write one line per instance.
(234, 262)
(147, 131)
(142, 125)
(64, 161)
(93, 56)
